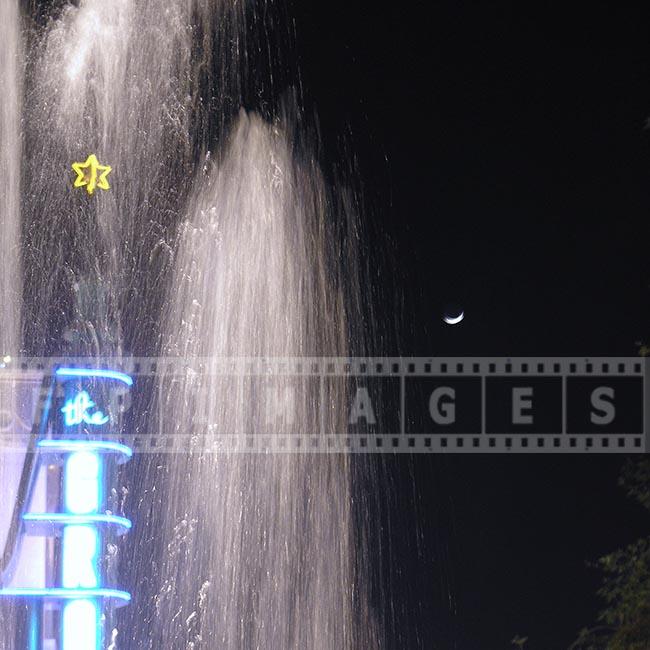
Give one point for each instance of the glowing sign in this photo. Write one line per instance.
(91, 174)
(116, 595)
(123, 452)
(81, 520)
(80, 625)
(82, 483)
(82, 496)
(95, 372)
(82, 500)
(75, 411)
(80, 554)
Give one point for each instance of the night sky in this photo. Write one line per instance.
(505, 165)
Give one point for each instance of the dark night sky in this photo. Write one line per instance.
(505, 163)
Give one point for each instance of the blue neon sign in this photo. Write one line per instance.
(82, 520)
(57, 593)
(82, 500)
(81, 543)
(81, 625)
(95, 373)
(76, 411)
(105, 446)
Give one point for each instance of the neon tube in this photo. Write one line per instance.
(58, 593)
(88, 445)
(95, 372)
(77, 520)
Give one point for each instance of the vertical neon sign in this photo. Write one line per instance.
(83, 499)
(84, 521)
(82, 496)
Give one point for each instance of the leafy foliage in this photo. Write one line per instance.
(625, 619)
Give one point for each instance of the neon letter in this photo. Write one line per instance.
(75, 411)
(82, 483)
(80, 549)
(80, 625)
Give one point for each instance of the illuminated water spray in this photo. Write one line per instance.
(218, 237)
(11, 84)
(11, 71)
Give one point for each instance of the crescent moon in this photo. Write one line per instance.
(453, 320)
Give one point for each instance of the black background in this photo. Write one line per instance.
(505, 166)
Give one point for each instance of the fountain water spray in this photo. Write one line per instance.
(11, 71)
(241, 252)
(265, 555)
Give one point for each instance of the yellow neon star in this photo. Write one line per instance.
(91, 174)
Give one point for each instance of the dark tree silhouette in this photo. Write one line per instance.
(624, 622)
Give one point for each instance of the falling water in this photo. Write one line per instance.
(10, 277)
(121, 81)
(241, 252)
(266, 558)
(10, 156)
